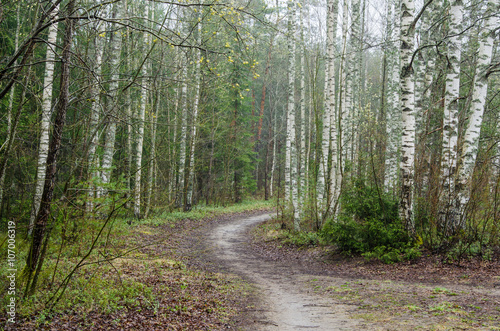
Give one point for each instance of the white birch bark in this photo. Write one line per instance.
(407, 165)
(355, 82)
(345, 93)
(110, 133)
(141, 118)
(344, 104)
(275, 146)
(393, 113)
(334, 176)
(480, 88)
(291, 148)
(43, 147)
(329, 125)
(94, 113)
(183, 137)
(450, 119)
(302, 154)
(195, 111)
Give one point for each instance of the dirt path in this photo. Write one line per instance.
(288, 304)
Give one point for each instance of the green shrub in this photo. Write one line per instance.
(368, 225)
(302, 238)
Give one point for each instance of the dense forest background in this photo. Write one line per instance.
(374, 125)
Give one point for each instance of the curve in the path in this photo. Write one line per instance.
(288, 303)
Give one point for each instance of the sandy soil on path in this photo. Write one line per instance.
(287, 303)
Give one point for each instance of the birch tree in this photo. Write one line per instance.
(291, 190)
(450, 119)
(473, 130)
(110, 132)
(141, 118)
(393, 110)
(95, 90)
(43, 147)
(42, 219)
(408, 113)
(196, 104)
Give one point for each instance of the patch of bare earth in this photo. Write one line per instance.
(423, 294)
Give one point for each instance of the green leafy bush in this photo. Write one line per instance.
(368, 225)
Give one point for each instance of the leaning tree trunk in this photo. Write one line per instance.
(408, 114)
(471, 139)
(42, 219)
(448, 216)
(44, 123)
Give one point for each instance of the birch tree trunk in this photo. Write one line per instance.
(43, 215)
(345, 94)
(393, 113)
(94, 115)
(43, 147)
(291, 149)
(182, 149)
(302, 154)
(447, 212)
(196, 106)
(110, 134)
(335, 174)
(408, 114)
(142, 117)
(275, 146)
(480, 88)
(324, 180)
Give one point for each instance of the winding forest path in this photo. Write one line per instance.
(288, 304)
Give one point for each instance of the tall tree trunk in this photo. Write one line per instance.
(393, 109)
(95, 91)
(334, 171)
(43, 216)
(324, 185)
(110, 133)
(196, 106)
(183, 138)
(471, 139)
(302, 151)
(273, 162)
(291, 141)
(44, 123)
(408, 114)
(142, 117)
(448, 216)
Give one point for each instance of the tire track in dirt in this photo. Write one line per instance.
(287, 303)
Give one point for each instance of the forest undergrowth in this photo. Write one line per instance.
(125, 273)
(429, 291)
